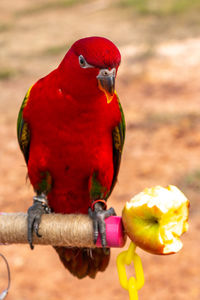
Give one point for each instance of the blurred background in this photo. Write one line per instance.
(158, 84)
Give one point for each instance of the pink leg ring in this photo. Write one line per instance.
(115, 234)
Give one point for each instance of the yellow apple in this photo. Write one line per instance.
(155, 219)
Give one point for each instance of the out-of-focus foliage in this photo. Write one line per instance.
(38, 7)
(162, 8)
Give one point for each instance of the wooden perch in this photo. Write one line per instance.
(59, 230)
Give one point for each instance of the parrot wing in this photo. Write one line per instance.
(23, 132)
(118, 136)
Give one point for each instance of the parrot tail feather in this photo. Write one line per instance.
(82, 262)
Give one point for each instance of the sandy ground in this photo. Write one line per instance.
(158, 85)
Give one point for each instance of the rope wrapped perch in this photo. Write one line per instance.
(71, 230)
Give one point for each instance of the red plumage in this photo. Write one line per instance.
(71, 141)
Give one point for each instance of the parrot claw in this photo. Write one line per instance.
(98, 217)
(35, 213)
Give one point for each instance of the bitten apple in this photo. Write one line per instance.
(155, 219)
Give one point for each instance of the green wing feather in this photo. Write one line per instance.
(23, 132)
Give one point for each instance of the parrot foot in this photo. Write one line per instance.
(98, 216)
(35, 213)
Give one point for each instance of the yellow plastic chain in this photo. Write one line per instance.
(132, 284)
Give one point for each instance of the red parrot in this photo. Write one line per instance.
(71, 131)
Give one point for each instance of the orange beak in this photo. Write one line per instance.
(106, 82)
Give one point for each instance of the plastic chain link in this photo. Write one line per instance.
(132, 284)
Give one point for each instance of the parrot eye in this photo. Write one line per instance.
(83, 63)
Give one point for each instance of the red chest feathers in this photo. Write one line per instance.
(71, 139)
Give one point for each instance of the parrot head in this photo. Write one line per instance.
(90, 67)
